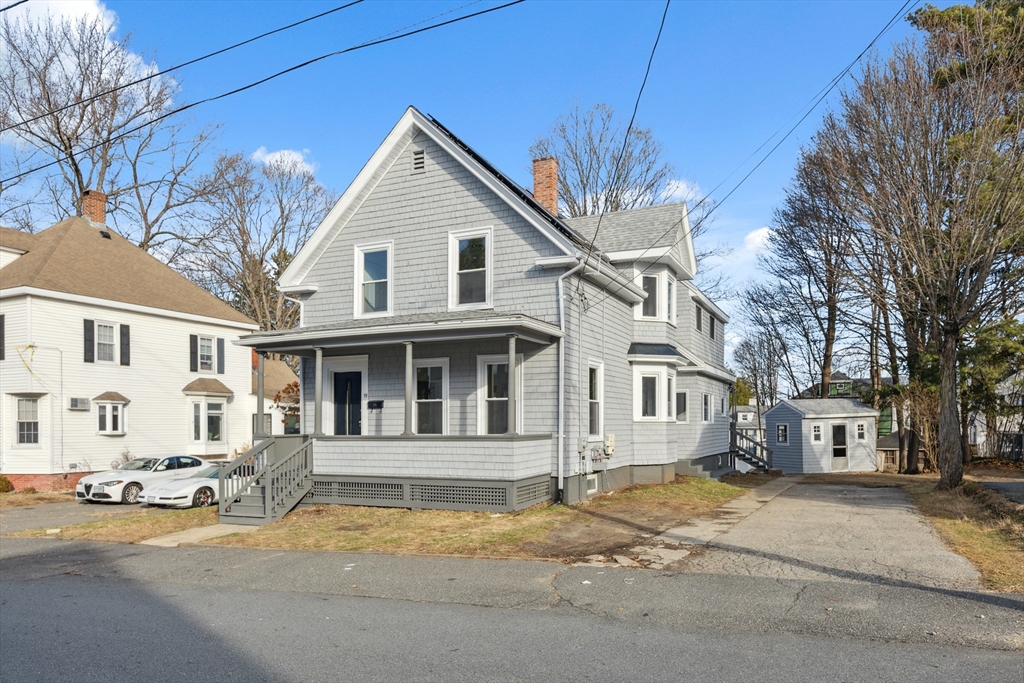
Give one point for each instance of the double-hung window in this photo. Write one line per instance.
(699, 317)
(106, 343)
(681, 408)
(706, 407)
(431, 396)
(650, 304)
(206, 351)
(110, 418)
(28, 421)
(594, 399)
(374, 270)
(670, 301)
(649, 396)
(470, 268)
(493, 392)
(711, 326)
(208, 421)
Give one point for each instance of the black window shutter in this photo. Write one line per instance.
(220, 356)
(193, 353)
(3, 339)
(90, 341)
(126, 345)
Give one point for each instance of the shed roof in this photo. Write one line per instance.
(830, 407)
(77, 257)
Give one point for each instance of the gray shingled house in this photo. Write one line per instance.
(822, 435)
(462, 348)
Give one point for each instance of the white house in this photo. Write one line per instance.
(107, 353)
(816, 435)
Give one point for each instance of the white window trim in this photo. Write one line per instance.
(821, 431)
(599, 366)
(712, 325)
(698, 318)
(640, 417)
(357, 279)
(705, 400)
(686, 414)
(776, 438)
(418, 363)
(117, 342)
(659, 315)
(481, 390)
(122, 411)
(857, 427)
(454, 236)
(671, 301)
(665, 413)
(213, 354)
(204, 402)
(39, 424)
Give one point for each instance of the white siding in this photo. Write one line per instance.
(157, 418)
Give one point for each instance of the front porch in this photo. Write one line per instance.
(453, 414)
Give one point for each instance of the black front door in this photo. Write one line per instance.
(348, 403)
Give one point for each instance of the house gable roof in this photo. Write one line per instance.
(77, 257)
(411, 123)
(827, 407)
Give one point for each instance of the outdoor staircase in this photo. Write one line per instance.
(752, 452)
(266, 482)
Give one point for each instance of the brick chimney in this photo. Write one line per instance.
(545, 183)
(94, 206)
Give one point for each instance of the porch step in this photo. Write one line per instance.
(756, 463)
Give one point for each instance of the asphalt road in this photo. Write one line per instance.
(55, 515)
(74, 628)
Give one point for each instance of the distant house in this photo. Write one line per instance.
(750, 421)
(463, 347)
(282, 417)
(1001, 436)
(842, 385)
(822, 435)
(107, 353)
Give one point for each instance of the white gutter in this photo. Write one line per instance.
(561, 375)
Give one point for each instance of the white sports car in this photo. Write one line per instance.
(126, 483)
(198, 489)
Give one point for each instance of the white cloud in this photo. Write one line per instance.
(681, 190)
(756, 240)
(284, 157)
(67, 9)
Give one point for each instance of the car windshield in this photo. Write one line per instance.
(145, 464)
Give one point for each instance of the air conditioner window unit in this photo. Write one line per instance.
(78, 404)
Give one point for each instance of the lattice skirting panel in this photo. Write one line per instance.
(437, 494)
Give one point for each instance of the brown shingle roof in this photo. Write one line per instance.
(74, 257)
(276, 376)
(112, 396)
(207, 385)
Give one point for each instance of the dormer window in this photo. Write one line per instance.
(659, 304)
(650, 305)
(470, 269)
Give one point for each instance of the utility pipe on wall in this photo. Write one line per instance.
(560, 284)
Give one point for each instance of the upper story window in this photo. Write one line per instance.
(711, 326)
(470, 268)
(106, 342)
(660, 302)
(206, 354)
(650, 304)
(374, 270)
(670, 301)
(699, 317)
(28, 421)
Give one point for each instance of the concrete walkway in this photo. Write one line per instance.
(198, 535)
(838, 533)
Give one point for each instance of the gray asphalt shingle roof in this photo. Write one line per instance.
(654, 226)
(822, 407)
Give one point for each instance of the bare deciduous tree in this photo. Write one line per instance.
(260, 215)
(115, 143)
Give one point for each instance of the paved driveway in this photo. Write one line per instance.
(838, 533)
(55, 515)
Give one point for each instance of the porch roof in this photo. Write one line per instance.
(417, 327)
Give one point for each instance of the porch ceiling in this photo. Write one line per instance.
(426, 327)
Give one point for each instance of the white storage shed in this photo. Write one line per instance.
(822, 435)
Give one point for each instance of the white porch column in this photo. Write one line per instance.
(512, 385)
(410, 388)
(258, 432)
(318, 396)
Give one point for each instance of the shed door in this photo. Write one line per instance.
(839, 448)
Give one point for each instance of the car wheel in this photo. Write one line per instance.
(130, 494)
(202, 498)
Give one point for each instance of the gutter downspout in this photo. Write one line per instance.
(560, 284)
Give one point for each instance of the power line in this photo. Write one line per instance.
(13, 5)
(176, 66)
(265, 80)
(822, 94)
(625, 138)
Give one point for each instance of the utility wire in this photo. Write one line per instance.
(13, 5)
(265, 80)
(625, 138)
(822, 94)
(176, 66)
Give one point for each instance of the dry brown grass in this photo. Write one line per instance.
(16, 499)
(140, 525)
(750, 480)
(974, 521)
(542, 531)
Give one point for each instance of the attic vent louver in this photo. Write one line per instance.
(105, 234)
(419, 161)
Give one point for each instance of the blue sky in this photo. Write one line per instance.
(726, 76)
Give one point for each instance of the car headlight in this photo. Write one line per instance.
(112, 483)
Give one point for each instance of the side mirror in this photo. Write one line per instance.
(161, 468)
